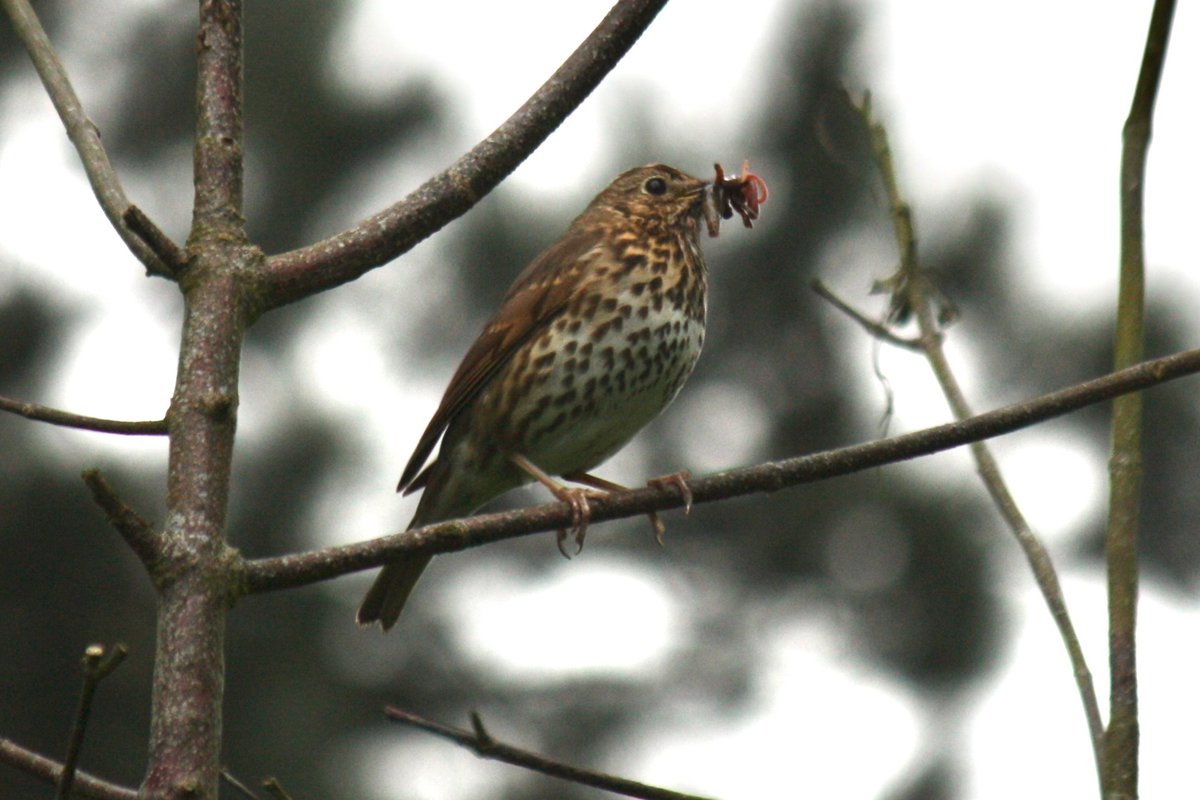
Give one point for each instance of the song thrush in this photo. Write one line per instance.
(591, 342)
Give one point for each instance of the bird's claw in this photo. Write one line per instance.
(581, 513)
(679, 481)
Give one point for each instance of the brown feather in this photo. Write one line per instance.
(522, 315)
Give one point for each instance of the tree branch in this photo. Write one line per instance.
(137, 532)
(912, 291)
(188, 690)
(283, 572)
(97, 665)
(374, 241)
(1125, 466)
(66, 419)
(85, 785)
(168, 252)
(81, 131)
(483, 745)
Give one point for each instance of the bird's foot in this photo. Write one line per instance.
(573, 496)
(679, 481)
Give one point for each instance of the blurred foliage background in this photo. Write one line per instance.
(907, 567)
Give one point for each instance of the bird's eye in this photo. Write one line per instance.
(656, 186)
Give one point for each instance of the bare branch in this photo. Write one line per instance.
(66, 419)
(283, 572)
(483, 745)
(168, 252)
(238, 786)
(137, 532)
(274, 788)
(81, 130)
(49, 771)
(97, 665)
(374, 241)
(876, 329)
(913, 289)
(188, 690)
(1120, 777)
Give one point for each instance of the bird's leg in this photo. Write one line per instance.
(574, 497)
(597, 482)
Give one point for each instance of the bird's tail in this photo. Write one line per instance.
(387, 596)
(441, 499)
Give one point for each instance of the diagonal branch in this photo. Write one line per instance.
(82, 132)
(913, 289)
(137, 532)
(38, 766)
(480, 742)
(283, 572)
(66, 419)
(300, 273)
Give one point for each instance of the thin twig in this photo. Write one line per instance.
(1120, 778)
(163, 246)
(82, 132)
(300, 273)
(483, 745)
(876, 329)
(66, 419)
(97, 665)
(914, 286)
(283, 572)
(272, 787)
(237, 785)
(137, 532)
(48, 770)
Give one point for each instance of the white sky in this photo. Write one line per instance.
(1024, 96)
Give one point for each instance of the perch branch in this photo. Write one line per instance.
(282, 572)
(483, 745)
(374, 241)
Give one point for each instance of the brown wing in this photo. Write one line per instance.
(537, 296)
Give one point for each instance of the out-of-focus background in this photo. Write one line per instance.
(876, 636)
